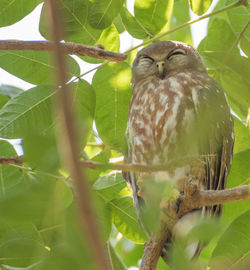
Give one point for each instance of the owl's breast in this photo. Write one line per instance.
(160, 113)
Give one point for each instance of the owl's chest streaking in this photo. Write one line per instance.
(161, 118)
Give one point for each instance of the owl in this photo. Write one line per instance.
(177, 111)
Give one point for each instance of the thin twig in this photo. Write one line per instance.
(11, 160)
(69, 144)
(67, 47)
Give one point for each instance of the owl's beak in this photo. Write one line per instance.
(161, 69)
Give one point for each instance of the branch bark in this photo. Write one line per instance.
(67, 47)
(68, 139)
(192, 199)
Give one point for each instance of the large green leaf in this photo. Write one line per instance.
(239, 175)
(43, 192)
(13, 11)
(9, 176)
(125, 219)
(153, 14)
(180, 16)
(117, 263)
(230, 68)
(33, 109)
(7, 92)
(110, 185)
(21, 251)
(70, 249)
(237, 91)
(199, 7)
(119, 24)
(238, 18)
(77, 28)
(33, 66)
(220, 37)
(242, 136)
(103, 12)
(133, 26)
(232, 250)
(112, 85)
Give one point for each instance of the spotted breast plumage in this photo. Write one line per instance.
(177, 111)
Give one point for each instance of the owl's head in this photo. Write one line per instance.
(165, 58)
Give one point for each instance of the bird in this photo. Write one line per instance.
(177, 111)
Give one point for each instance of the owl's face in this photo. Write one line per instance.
(164, 58)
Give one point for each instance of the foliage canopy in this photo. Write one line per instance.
(38, 224)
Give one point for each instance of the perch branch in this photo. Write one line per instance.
(68, 139)
(67, 47)
(192, 199)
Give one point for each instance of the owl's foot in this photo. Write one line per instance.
(170, 204)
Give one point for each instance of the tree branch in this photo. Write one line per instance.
(192, 199)
(69, 141)
(67, 47)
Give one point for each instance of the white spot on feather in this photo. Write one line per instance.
(160, 114)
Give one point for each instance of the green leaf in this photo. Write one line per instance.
(104, 217)
(130, 252)
(199, 7)
(242, 136)
(245, 45)
(103, 157)
(3, 100)
(71, 249)
(32, 110)
(13, 11)
(110, 185)
(237, 90)
(119, 24)
(116, 262)
(232, 250)
(33, 66)
(125, 219)
(42, 158)
(9, 90)
(103, 12)
(231, 69)
(180, 16)
(112, 85)
(43, 192)
(110, 40)
(153, 14)
(238, 18)
(77, 28)
(220, 37)
(133, 26)
(239, 175)
(10, 177)
(21, 251)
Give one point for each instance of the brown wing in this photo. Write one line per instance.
(216, 136)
